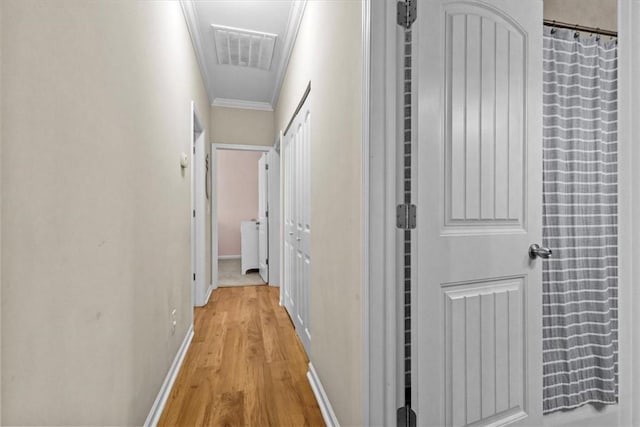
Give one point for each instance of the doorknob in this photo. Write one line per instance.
(291, 233)
(535, 250)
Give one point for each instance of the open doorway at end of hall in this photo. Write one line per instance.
(245, 228)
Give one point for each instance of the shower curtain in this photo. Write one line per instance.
(580, 195)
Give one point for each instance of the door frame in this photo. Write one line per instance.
(628, 208)
(380, 380)
(264, 175)
(214, 197)
(302, 330)
(379, 107)
(197, 211)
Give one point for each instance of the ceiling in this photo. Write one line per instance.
(234, 85)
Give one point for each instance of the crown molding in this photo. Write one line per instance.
(239, 103)
(293, 25)
(190, 16)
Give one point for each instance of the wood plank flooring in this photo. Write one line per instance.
(245, 366)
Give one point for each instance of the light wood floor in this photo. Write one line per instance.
(245, 366)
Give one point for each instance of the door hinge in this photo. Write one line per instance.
(266, 166)
(406, 216)
(267, 261)
(194, 276)
(266, 214)
(406, 13)
(406, 417)
(194, 213)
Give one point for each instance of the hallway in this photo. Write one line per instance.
(245, 366)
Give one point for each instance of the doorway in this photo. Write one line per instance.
(459, 206)
(200, 283)
(242, 230)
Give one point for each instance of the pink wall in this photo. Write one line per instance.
(237, 196)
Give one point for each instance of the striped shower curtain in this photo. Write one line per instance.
(580, 224)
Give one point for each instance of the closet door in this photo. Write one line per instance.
(476, 296)
(297, 220)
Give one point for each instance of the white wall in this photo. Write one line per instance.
(328, 52)
(243, 127)
(591, 13)
(95, 207)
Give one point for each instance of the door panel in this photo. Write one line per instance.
(263, 220)
(288, 232)
(477, 323)
(297, 150)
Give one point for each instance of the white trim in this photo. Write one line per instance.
(295, 18)
(380, 333)
(215, 273)
(628, 237)
(214, 191)
(213, 206)
(244, 30)
(275, 277)
(279, 146)
(167, 385)
(192, 207)
(366, 111)
(240, 103)
(221, 146)
(208, 296)
(328, 415)
(190, 16)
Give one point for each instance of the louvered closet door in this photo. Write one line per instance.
(478, 133)
(297, 266)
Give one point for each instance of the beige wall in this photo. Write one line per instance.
(243, 127)
(237, 196)
(1, 94)
(332, 61)
(590, 13)
(95, 220)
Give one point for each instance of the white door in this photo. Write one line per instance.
(297, 218)
(477, 316)
(263, 217)
(201, 284)
(274, 217)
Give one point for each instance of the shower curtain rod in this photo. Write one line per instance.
(581, 28)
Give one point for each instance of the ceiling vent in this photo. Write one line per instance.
(244, 48)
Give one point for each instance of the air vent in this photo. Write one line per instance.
(244, 48)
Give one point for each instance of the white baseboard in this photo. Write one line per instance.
(323, 401)
(206, 299)
(229, 257)
(167, 385)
